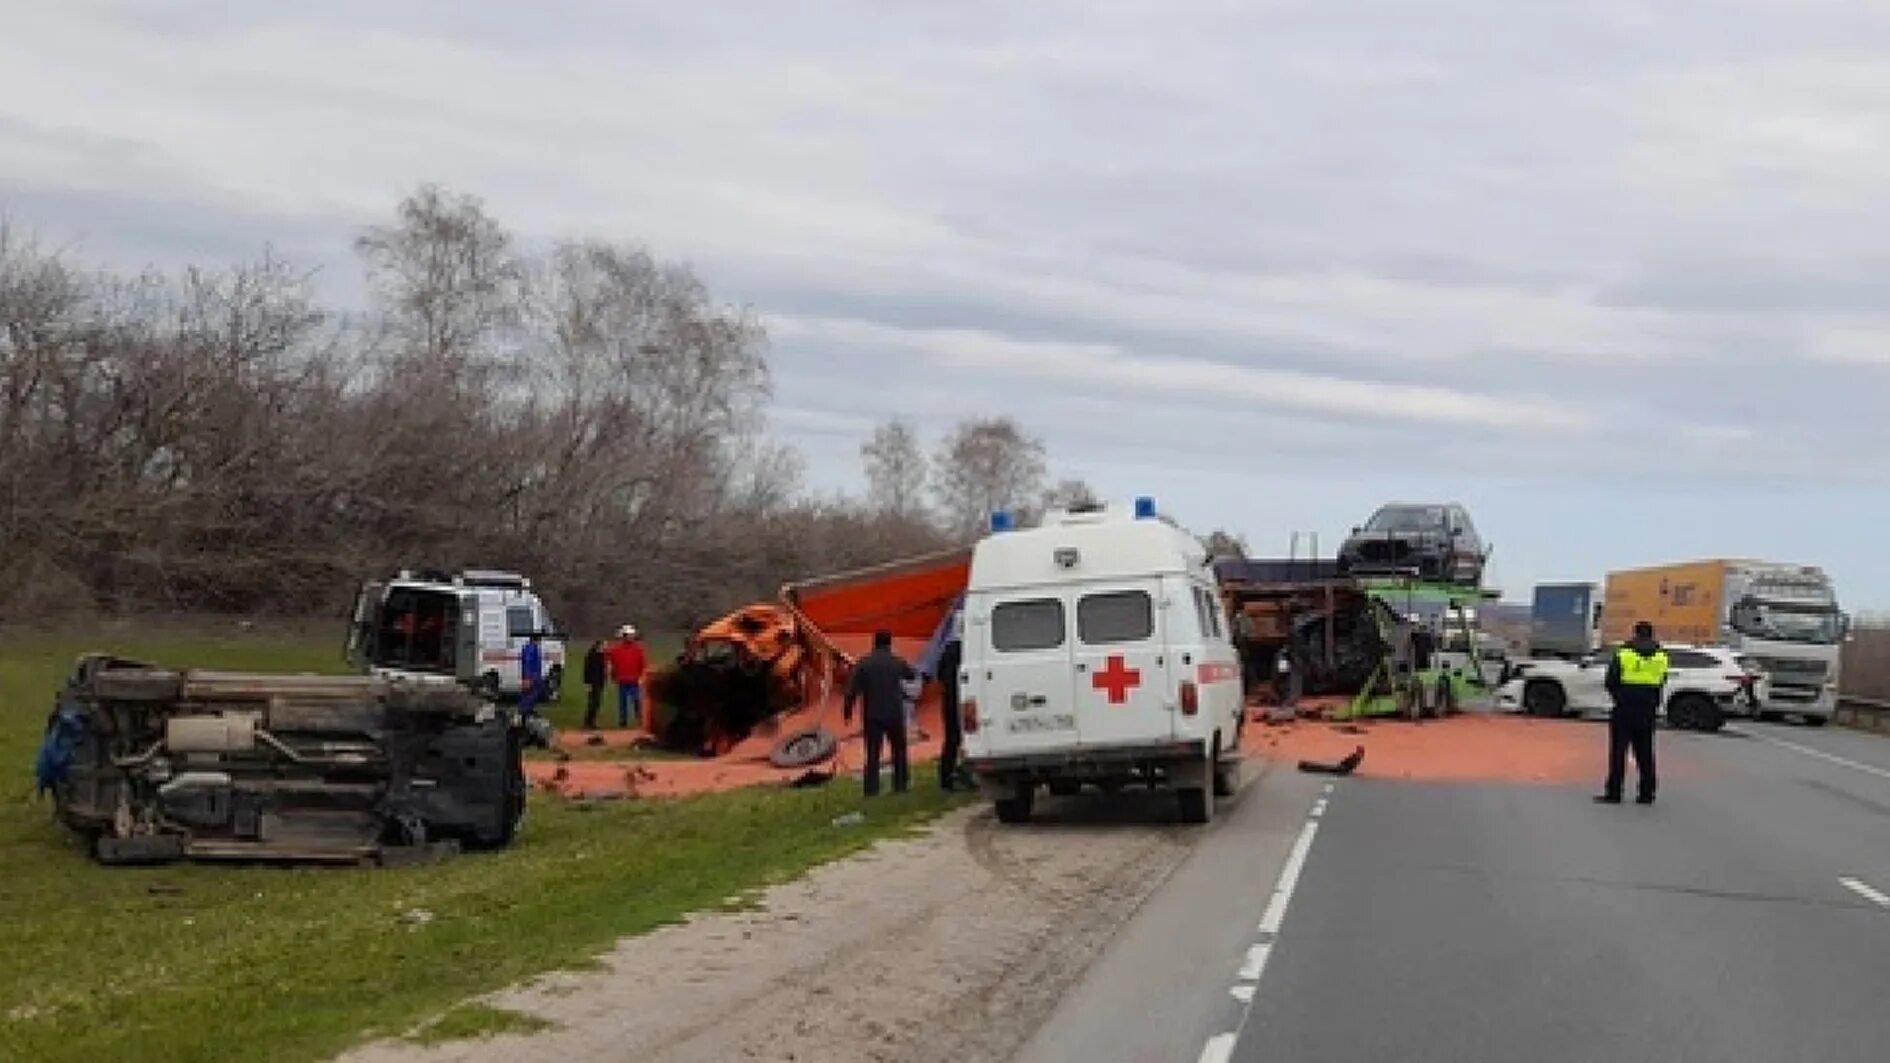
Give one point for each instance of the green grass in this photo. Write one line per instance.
(466, 1022)
(192, 962)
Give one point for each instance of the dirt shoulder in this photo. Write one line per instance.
(949, 946)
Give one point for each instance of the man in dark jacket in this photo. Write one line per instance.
(1636, 676)
(595, 676)
(878, 681)
(949, 660)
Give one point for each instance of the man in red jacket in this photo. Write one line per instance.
(627, 665)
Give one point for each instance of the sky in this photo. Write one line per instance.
(1615, 275)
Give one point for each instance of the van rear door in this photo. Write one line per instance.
(1120, 658)
(1026, 702)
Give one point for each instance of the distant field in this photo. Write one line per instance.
(195, 962)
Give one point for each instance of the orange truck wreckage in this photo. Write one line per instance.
(771, 675)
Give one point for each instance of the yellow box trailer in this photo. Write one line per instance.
(1684, 602)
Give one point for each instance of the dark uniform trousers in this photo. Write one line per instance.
(894, 735)
(1631, 727)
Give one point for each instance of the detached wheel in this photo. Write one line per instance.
(1544, 697)
(804, 748)
(1016, 808)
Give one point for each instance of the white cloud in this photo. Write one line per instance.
(1174, 378)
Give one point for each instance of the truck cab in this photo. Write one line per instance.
(1096, 652)
(466, 627)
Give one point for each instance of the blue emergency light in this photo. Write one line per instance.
(1000, 520)
(1144, 508)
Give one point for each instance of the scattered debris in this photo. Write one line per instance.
(851, 819)
(1344, 766)
(416, 917)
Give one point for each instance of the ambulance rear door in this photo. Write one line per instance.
(1120, 659)
(1023, 677)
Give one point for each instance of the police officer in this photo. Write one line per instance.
(1636, 677)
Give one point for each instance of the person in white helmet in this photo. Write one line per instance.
(627, 666)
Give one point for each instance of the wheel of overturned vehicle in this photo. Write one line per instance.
(1016, 808)
(1197, 804)
(1065, 788)
(801, 749)
(1544, 697)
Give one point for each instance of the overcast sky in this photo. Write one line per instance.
(1614, 274)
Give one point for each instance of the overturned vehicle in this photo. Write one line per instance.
(152, 765)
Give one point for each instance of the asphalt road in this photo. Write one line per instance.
(1746, 916)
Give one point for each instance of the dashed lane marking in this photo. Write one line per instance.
(1866, 890)
(1220, 1047)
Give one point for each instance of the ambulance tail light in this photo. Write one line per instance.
(1190, 698)
(968, 713)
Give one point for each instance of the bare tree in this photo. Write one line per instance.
(986, 465)
(895, 470)
(1223, 543)
(1071, 493)
(446, 282)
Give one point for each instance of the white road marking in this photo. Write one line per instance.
(1866, 891)
(1256, 963)
(1870, 769)
(1219, 1049)
(1289, 879)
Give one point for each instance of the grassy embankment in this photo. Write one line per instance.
(269, 963)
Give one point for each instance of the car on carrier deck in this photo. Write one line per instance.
(467, 627)
(1096, 652)
(1705, 685)
(1432, 541)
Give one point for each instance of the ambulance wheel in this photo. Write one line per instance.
(1197, 804)
(1016, 808)
(1224, 773)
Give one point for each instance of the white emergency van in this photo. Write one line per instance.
(468, 627)
(1096, 651)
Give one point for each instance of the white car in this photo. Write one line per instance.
(1705, 684)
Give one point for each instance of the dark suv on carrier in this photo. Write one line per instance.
(1432, 541)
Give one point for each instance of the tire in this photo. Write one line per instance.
(1544, 697)
(1226, 779)
(1815, 721)
(1693, 712)
(1197, 804)
(1065, 788)
(1772, 717)
(1016, 809)
(816, 745)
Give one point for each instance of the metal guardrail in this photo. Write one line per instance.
(1868, 714)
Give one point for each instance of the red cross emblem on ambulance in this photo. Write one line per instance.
(1117, 679)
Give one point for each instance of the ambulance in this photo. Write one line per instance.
(468, 627)
(1096, 652)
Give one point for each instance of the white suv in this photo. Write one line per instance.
(1705, 684)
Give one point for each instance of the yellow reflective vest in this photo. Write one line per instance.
(1639, 671)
